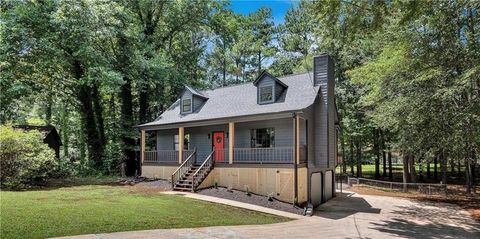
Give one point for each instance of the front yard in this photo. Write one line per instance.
(100, 209)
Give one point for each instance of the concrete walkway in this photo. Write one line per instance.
(237, 204)
(347, 216)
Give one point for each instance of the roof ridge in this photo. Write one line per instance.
(248, 82)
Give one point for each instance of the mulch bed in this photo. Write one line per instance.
(258, 200)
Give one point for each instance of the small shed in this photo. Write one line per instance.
(49, 134)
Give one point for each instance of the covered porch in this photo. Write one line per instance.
(281, 141)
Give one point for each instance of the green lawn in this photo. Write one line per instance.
(99, 209)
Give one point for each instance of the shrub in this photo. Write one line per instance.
(24, 159)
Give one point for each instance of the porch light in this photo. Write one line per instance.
(208, 135)
(226, 135)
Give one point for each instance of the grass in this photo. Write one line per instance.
(101, 209)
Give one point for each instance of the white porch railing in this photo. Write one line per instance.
(280, 155)
(267, 155)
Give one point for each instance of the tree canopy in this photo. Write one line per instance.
(407, 72)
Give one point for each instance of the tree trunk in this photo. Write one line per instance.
(429, 174)
(98, 110)
(468, 175)
(359, 159)
(143, 102)
(452, 167)
(81, 141)
(377, 153)
(64, 131)
(127, 122)
(351, 161)
(259, 62)
(224, 70)
(474, 183)
(48, 110)
(411, 169)
(443, 164)
(95, 147)
(384, 154)
(127, 118)
(390, 166)
(344, 161)
(435, 167)
(459, 169)
(406, 174)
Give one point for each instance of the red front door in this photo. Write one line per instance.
(218, 145)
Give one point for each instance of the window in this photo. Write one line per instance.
(186, 142)
(262, 138)
(187, 105)
(266, 94)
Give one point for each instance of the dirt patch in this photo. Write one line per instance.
(251, 199)
(151, 187)
(470, 203)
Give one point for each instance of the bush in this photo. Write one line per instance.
(24, 159)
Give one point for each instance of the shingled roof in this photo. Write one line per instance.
(45, 130)
(241, 100)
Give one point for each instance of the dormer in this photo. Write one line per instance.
(191, 100)
(269, 88)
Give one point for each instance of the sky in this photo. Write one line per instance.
(279, 7)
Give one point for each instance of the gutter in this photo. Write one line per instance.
(203, 122)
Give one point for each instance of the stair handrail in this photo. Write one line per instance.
(188, 161)
(208, 161)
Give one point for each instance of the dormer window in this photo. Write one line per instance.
(266, 94)
(269, 88)
(191, 100)
(187, 105)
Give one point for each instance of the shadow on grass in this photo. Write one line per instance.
(53, 184)
(345, 205)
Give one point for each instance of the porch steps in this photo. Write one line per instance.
(187, 182)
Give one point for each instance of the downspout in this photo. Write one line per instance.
(295, 166)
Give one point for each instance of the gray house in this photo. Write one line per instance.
(275, 136)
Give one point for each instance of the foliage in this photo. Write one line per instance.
(407, 72)
(24, 158)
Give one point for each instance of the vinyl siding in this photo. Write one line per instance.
(324, 108)
(197, 103)
(199, 139)
(283, 132)
(309, 135)
(165, 139)
(320, 133)
(199, 135)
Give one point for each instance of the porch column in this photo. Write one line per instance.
(231, 141)
(142, 145)
(297, 139)
(181, 138)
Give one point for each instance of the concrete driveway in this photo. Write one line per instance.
(348, 215)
